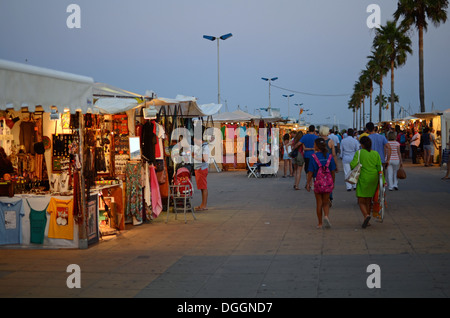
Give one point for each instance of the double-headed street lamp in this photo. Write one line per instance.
(270, 80)
(213, 38)
(288, 96)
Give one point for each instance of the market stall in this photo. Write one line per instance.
(436, 122)
(140, 139)
(42, 147)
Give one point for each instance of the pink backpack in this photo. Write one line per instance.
(324, 181)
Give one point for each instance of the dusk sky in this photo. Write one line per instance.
(315, 47)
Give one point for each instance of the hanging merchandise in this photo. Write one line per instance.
(134, 192)
(38, 221)
(61, 219)
(156, 196)
(10, 222)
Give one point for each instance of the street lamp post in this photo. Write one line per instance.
(270, 80)
(288, 97)
(213, 38)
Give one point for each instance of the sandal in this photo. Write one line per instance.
(366, 222)
(296, 188)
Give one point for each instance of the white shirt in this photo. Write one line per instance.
(349, 146)
(415, 140)
(334, 138)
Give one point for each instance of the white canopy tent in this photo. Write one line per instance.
(23, 85)
(270, 114)
(187, 105)
(236, 116)
(112, 100)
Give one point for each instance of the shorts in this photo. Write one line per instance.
(200, 179)
(299, 161)
(427, 147)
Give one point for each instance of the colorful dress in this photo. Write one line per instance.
(368, 178)
(134, 191)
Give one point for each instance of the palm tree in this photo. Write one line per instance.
(396, 45)
(369, 73)
(380, 63)
(366, 90)
(353, 105)
(384, 101)
(417, 12)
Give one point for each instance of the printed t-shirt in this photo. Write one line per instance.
(61, 219)
(10, 222)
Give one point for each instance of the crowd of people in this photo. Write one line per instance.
(318, 150)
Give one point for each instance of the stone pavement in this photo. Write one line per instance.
(258, 239)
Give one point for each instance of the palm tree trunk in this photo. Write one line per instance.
(392, 90)
(371, 91)
(353, 118)
(421, 79)
(363, 114)
(380, 102)
(360, 111)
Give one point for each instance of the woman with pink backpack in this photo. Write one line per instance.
(321, 169)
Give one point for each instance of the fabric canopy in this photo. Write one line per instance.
(236, 116)
(186, 104)
(428, 114)
(112, 100)
(23, 85)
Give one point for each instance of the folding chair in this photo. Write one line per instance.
(182, 195)
(252, 169)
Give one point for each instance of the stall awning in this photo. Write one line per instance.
(23, 85)
(112, 100)
(236, 116)
(186, 105)
(428, 114)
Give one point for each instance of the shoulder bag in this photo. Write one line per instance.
(353, 176)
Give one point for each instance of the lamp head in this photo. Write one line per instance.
(226, 36)
(209, 37)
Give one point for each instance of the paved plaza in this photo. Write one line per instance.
(258, 239)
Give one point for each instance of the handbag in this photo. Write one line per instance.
(293, 153)
(353, 176)
(401, 174)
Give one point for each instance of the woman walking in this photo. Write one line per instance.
(394, 162)
(298, 161)
(324, 180)
(368, 178)
(330, 144)
(286, 159)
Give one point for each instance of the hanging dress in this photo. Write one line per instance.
(134, 190)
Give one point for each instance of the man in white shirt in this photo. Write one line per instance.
(336, 141)
(349, 146)
(415, 142)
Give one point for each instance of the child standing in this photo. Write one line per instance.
(322, 169)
